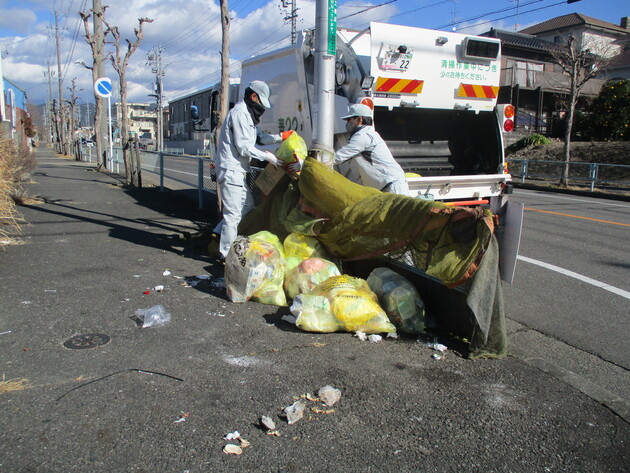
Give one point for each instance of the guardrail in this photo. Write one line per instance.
(587, 174)
(180, 170)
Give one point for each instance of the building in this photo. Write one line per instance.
(142, 122)
(535, 84)
(590, 33)
(16, 122)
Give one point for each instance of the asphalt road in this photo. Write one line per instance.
(92, 253)
(585, 299)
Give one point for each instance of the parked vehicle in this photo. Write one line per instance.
(434, 96)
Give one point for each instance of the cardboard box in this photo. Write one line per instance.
(269, 178)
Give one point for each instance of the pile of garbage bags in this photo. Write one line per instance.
(263, 269)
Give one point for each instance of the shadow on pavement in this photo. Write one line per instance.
(182, 228)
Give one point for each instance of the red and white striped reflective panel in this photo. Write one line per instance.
(399, 86)
(479, 91)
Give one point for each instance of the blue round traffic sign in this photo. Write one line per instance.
(103, 87)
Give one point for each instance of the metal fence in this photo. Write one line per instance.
(592, 175)
(175, 171)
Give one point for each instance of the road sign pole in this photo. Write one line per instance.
(111, 138)
(103, 88)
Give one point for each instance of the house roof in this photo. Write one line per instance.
(620, 61)
(570, 20)
(520, 40)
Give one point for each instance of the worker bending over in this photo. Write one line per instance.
(235, 150)
(372, 159)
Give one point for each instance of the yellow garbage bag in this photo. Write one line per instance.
(303, 247)
(293, 145)
(308, 274)
(254, 269)
(269, 238)
(352, 305)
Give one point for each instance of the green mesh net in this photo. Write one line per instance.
(354, 222)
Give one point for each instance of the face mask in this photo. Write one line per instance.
(350, 126)
(255, 109)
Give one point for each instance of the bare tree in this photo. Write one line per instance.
(120, 63)
(96, 42)
(580, 65)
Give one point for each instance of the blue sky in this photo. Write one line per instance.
(189, 32)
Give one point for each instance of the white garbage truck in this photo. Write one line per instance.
(434, 96)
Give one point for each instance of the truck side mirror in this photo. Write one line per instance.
(194, 112)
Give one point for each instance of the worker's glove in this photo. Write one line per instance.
(271, 158)
(295, 167)
(285, 134)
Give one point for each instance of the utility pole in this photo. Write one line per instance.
(291, 5)
(87, 114)
(61, 137)
(49, 106)
(325, 54)
(225, 65)
(154, 59)
(100, 110)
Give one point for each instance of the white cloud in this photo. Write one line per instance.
(191, 43)
(18, 20)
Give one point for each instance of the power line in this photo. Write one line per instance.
(367, 9)
(74, 42)
(488, 14)
(510, 16)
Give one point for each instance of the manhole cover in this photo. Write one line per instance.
(88, 340)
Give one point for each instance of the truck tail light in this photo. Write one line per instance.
(507, 114)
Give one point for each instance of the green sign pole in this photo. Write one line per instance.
(332, 27)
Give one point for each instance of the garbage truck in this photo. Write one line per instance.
(434, 98)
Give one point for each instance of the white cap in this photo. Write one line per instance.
(358, 110)
(262, 89)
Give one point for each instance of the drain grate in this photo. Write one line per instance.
(88, 340)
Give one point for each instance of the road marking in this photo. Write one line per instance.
(552, 196)
(181, 172)
(577, 216)
(586, 279)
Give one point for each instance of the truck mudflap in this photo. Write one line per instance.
(458, 187)
(508, 234)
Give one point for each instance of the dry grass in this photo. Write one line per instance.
(14, 166)
(16, 384)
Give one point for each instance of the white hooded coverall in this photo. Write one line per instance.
(235, 150)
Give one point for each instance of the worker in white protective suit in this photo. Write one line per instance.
(371, 162)
(235, 150)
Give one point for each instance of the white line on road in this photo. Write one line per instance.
(586, 279)
(181, 172)
(553, 196)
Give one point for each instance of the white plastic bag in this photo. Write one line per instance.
(153, 316)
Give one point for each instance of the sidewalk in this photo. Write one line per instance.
(90, 252)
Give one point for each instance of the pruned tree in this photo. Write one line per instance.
(97, 44)
(580, 65)
(120, 63)
(72, 104)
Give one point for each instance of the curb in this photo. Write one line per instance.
(599, 195)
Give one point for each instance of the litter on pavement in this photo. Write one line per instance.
(294, 412)
(182, 417)
(155, 316)
(329, 395)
